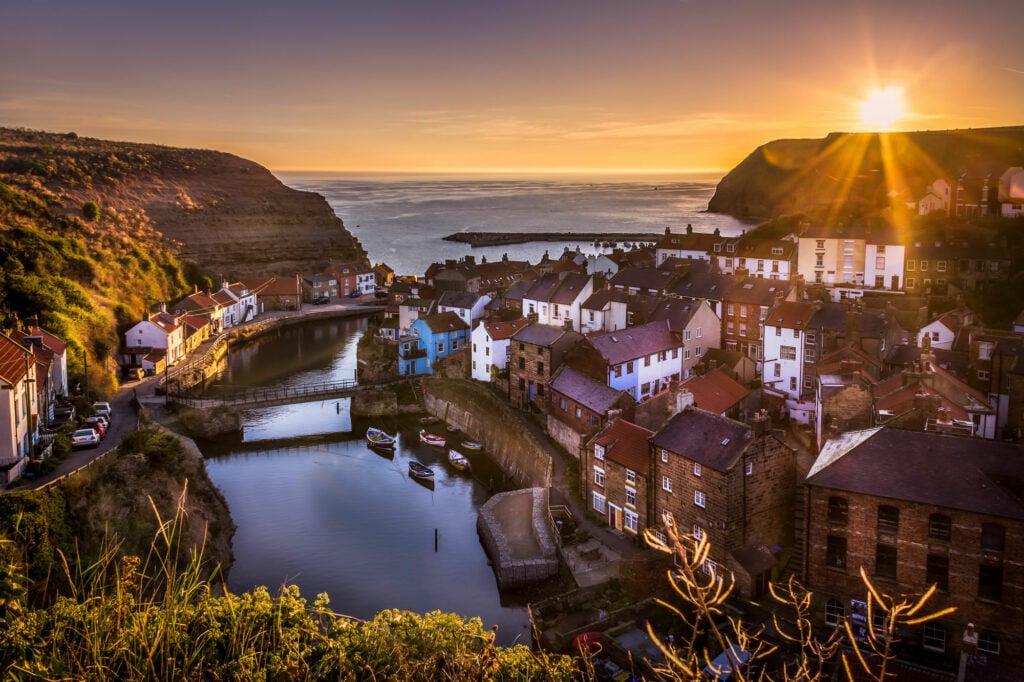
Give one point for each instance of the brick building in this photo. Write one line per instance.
(913, 509)
(579, 405)
(614, 475)
(731, 481)
(536, 351)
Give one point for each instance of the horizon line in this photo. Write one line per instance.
(507, 171)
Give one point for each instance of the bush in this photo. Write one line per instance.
(91, 211)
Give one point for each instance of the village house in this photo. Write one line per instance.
(51, 358)
(648, 281)
(497, 276)
(454, 275)
(555, 299)
(604, 311)
(154, 343)
(197, 330)
(319, 287)
(383, 275)
(352, 276)
(467, 305)
(762, 258)
(238, 302)
(579, 405)
(700, 284)
(717, 393)
(937, 198)
(536, 352)
(411, 309)
(614, 475)
(942, 332)
(844, 399)
(430, 339)
(785, 330)
(491, 347)
(693, 245)
(915, 509)
(692, 322)
(728, 481)
(941, 268)
(19, 411)
(732, 363)
(640, 360)
(201, 303)
(275, 293)
(848, 261)
(744, 308)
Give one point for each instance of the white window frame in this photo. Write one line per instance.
(630, 476)
(599, 476)
(631, 521)
(700, 499)
(666, 484)
(933, 636)
(696, 469)
(664, 455)
(599, 503)
(835, 613)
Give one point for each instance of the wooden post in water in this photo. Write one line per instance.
(435, 541)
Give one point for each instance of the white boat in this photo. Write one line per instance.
(471, 445)
(431, 438)
(379, 439)
(417, 470)
(458, 460)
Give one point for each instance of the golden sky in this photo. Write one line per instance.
(461, 85)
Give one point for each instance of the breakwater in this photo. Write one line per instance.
(501, 238)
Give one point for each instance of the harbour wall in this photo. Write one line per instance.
(488, 420)
(503, 525)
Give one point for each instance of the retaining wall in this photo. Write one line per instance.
(509, 570)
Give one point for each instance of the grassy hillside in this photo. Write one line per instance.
(850, 175)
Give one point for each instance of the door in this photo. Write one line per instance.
(615, 517)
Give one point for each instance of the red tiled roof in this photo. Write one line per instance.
(503, 330)
(715, 391)
(13, 364)
(625, 443)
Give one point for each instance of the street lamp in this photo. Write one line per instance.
(970, 645)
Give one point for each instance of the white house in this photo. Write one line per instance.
(366, 279)
(605, 311)
(841, 258)
(412, 309)
(936, 199)
(942, 331)
(883, 265)
(641, 360)
(239, 304)
(160, 331)
(556, 298)
(490, 347)
(784, 347)
(467, 305)
(1011, 192)
(18, 408)
(694, 246)
(601, 263)
(762, 258)
(695, 324)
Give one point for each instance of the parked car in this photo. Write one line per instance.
(321, 300)
(134, 374)
(84, 438)
(355, 294)
(98, 420)
(98, 427)
(102, 409)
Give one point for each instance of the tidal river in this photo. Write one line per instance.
(315, 507)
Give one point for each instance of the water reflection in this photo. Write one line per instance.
(317, 507)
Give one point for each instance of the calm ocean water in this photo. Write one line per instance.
(402, 219)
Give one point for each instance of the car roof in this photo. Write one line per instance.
(82, 431)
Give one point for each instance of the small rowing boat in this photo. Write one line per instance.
(471, 445)
(458, 460)
(428, 420)
(379, 439)
(417, 470)
(431, 438)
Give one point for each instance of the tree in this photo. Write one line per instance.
(91, 211)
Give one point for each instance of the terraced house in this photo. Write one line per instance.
(614, 475)
(19, 412)
(640, 360)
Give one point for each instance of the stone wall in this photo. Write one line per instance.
(489, 420)
(512, 568)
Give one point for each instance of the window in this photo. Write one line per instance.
(938, 527)
(885, 561)
(749, 469)
(835, 552)
(993, 537)
(984, 350)
(729, 310)
(809, 355)
(599, 476)
(647, 361)
(888, 519)
(522, 363)
(934, 636)
(686, 335)
(562, 404)
(675, 353)
(618, 371)
(698, 332)
(820, 244)
(664, 456)
(879, 262)
(696, 351)
(910, 283)
(988, 642)
(599, 452)
(645, 388)
(937, 571)
(990, 582)
(819, 260)
(834, 612)
(540, 390)
(630, 497)
(631, 521)
(629, 367)
(911, 265)
(710, 568)
(598, 503)
(924, 266)
(696, 469)
(686, 354)
(666, 484)
(700, 499)
(941, 266)
(778, 369)
(743, 311)
(540, 368)
(792, 383)
(662, 356)
(579, 413)
(440, 347)
(787, 352)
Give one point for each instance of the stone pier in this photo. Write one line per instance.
(516, 531)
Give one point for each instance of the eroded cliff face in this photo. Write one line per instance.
(228, 214)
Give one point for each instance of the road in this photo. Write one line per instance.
(123, 417)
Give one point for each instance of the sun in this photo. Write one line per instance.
(881, 109)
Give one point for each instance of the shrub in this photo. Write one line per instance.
(91, 211)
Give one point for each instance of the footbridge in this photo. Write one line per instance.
(285, 395)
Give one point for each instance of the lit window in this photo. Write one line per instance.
(749, 471)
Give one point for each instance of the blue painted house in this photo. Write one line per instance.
(431, 339)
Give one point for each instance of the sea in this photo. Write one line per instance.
(402, 219)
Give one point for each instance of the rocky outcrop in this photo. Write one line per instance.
(229, 215)
(858, 174)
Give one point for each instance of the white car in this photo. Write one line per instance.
(84, 438)
(102, 409)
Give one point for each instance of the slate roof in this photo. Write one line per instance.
(902, 355)
(703, 437)
(646, 279)
(702, 284)
(518, 290)
(677, 312)
(715, 391)
(594, 395)
(625, 443)
(634, 342)
(570, 288)
(757, 291)
(969, 474)
(458, 299)
(539, 334)
(601, 298)
(751, 247)
(445, 322)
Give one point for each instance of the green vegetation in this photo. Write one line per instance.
(91, 211)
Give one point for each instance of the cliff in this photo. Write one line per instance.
(858, 174)
(229, 215)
